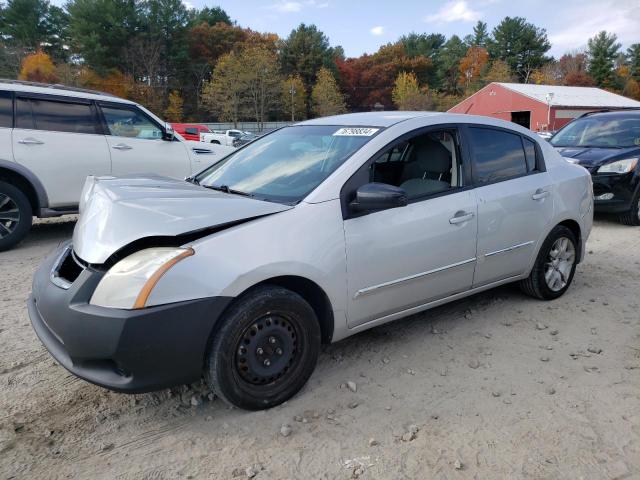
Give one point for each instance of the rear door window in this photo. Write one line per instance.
(498, 155)
(6, 110)
(56, 116)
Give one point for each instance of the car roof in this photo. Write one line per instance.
(59, 90)
(368, 119)
(631, 112)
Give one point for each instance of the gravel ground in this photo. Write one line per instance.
(495, 386)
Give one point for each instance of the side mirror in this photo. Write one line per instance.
(378, 196)
(168, 133)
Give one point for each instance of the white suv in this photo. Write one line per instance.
(53, 137)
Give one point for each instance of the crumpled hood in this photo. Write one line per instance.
(115, 211)
(595, 157)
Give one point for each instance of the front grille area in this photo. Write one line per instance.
(67, 270)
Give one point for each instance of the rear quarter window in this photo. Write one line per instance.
(497, 155)
(530, 153)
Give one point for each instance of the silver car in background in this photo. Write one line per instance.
(305, 236)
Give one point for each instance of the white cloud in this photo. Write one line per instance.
(287, 7)
(621, 18)
(291, 6)
(377, 30)
(454, 12)
(188, 4)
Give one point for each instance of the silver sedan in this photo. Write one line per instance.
(307, 235)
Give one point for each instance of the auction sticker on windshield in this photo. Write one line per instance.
(355, 132)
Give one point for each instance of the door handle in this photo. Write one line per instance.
(31, 141)
(540, 194)
(122, 146)
(461, 217)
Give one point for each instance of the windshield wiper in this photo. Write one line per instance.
(193, 180)
(226, 189)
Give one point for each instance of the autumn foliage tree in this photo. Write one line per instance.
(472, 65)
(173, 112)
(407, 94)
(294, 98)
(498, 71)
(223, 94)
(326, 96)
(369, 79)
(38, 67)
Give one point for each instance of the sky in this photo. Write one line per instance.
(363, 26)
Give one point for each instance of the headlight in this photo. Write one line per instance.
(621, 166)
(129, 282)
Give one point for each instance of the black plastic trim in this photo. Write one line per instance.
(124, 350)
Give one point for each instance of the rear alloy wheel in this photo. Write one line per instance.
(265, 349)
(555, 266)
(632, 217)
(15, 215)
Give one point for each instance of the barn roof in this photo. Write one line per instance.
(571, 96)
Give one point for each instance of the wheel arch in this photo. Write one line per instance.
(26, 180)
(311, 292)
(577, 231)
(314, 295)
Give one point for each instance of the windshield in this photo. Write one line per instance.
(286, 165)
(599, 132)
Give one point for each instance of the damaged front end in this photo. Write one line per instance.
(93, 304)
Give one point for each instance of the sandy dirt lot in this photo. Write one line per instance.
(494, 386)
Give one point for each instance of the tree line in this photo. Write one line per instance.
(198, 64)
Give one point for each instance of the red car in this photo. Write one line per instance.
(190, 131)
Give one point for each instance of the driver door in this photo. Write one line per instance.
(404, 257)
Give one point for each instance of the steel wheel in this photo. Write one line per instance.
(9, 215)
(559, 264)
(267, 350)
(264, 348)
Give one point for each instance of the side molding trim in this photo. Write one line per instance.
(509, 249)
(391, 283)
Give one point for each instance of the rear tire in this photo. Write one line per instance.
(555, 266)
(265, 349)
(632, 217)
(15, 215)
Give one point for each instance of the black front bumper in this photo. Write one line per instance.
(124, 350)
(623, 187)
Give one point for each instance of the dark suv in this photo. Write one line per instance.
(607, 143)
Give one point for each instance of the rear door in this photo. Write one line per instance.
(136, 144)
(515, 201)
(60, 140)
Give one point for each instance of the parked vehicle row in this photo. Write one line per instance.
(190, 131)
(307, 235)
(52, 138)
(226, 137)
(607, 144)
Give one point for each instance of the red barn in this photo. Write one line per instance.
(539, 107)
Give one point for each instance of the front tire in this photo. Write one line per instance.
(15, 215)
(632, 216)
(265, 349)
(555, 266)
